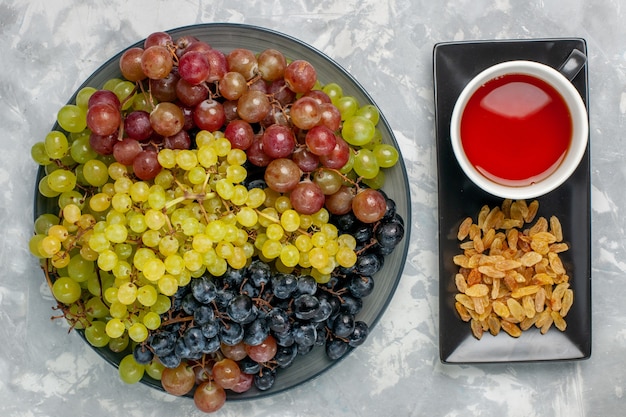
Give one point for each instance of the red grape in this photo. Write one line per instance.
(281, 93)
(209, 397)
(278, 141)
(193, 67)
(137, 125)
(300, 76)
(157, 38)
(255, 153)
(338, 157)
(126, 151)
(305, 113)
(167, 119)
(272, 64)
(282, 175)
(209, 115)
(330, 116)
(341, 201)
(320, 140)
(130, 64)
(146, 165)
(190, 94)
(226, 373)
(217, 64)
(103, 144)
(242, 61)
(164, 89)
(263, 352)
(104, 97)
(253, 106)
(181, 140)
(244, 384)
(240, 134)
(157, 62)
(306, 160)
(178, 381)
(103, 119)
(369, 205)
(232, 85)
(307, 197)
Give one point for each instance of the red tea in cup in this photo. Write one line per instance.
(516, 129)
(519, 129)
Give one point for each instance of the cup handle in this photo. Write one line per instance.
(573, 64)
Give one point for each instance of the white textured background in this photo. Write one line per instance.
(48, 47)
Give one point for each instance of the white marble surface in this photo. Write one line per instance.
(50, 46)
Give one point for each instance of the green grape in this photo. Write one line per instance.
(39, 154)
(72, 118)
(357, 130)
(127, 293)
(111, 83)
(275, 231)
(153, 269)
(44, 221)
(115, 328)
(83, 96)
(95, 308)
(61, 180)
(147, 295)
(193, 260)
(365, 164)
(386, 155)
(96, 334)
(347, 106)
(334, 91)
(377, 182)
(49, 246)
(207, 157)
(168, 285)
(66, 290)
(100, 202)
(34, 245)
(139, 191)
(162, 305)
(236, 173)
(122, 202)
(122, 270)
(290, 255)
(119, 344)
(156, 197)
(56, 144)
(99, 242)
(151, 238)
(118, 309)
(125, 91)
(142, 102)
(152, 320)
(80, 269)
(107, 260)
(155, 369)
(95, 172)
(138, 332)
(130, 371)
(370, 112)
(186, 159)
(71, 197)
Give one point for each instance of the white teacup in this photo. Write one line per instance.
(508, 154)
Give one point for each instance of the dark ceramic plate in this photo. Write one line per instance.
(226, 37)
(455, 63)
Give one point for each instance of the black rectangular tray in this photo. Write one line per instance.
(454, 64)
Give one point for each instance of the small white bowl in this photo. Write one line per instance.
(580, 129)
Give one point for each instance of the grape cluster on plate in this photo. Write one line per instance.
(219, 214)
